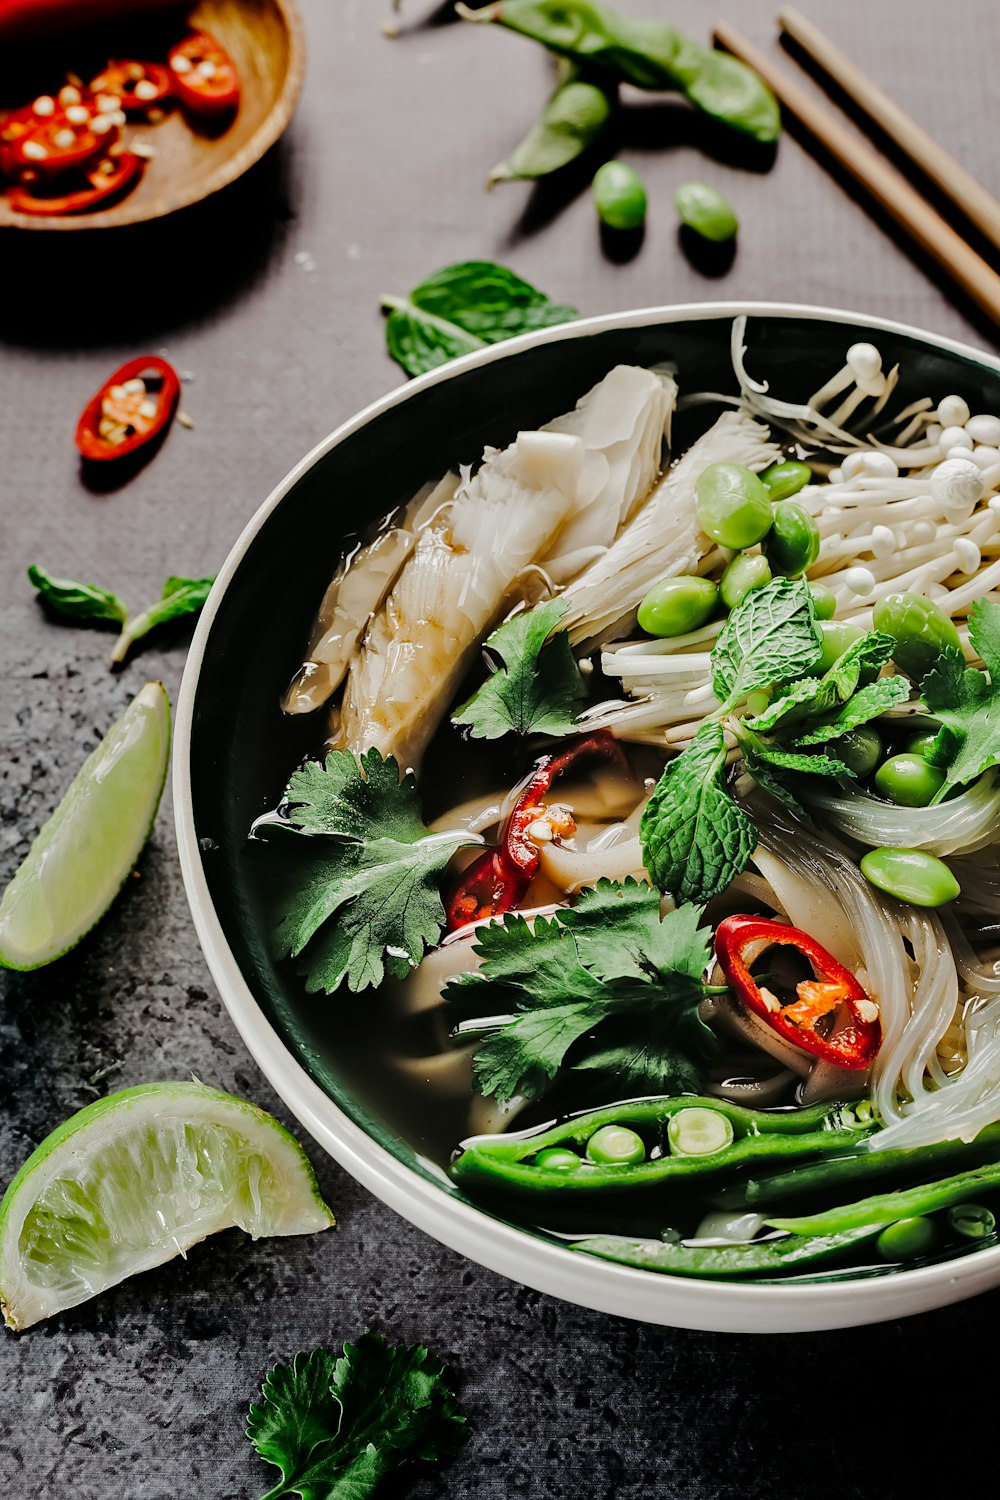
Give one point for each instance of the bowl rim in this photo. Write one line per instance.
(545, 1266)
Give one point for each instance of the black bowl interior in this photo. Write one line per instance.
(243, 748)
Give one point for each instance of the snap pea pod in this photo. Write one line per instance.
(646, 53)
(571, 122)
(889, 1208)
(521, 1163)
(758, 1258)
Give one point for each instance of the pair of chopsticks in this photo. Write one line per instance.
(885, 184)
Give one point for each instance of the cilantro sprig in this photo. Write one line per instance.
(368, 860)
(967, 703)
(535, 686)
(605, 986)
(336, 1427)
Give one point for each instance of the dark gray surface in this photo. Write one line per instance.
(269, 298)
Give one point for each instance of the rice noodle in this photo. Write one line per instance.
(968, 822)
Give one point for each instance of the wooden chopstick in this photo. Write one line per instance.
(945, 172)
(887, 186)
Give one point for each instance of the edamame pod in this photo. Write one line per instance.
(758, 1258)
(570, 123)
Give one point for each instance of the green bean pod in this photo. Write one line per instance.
(518, 1164)
(646, 53)
(570, 123)
(904, 1203)
(757, 1258)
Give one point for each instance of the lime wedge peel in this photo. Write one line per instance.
(136, 1179)
(87, 849)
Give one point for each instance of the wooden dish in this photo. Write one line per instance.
(265, 39)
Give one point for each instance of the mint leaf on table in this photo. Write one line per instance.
(368, 861)
(79, 601)
(606, 985)
(772, 637)
(336, 1427)
(180, 596)
(694, 837)
(536, 687)
(967, 702)
(461, 308)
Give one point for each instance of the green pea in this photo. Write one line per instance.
(734, 508)
(619, 195)
(824, 601)
(921, 743)
(678, 605)
(786, 477)
(557, 1159)
(908, 781)
(921, 631)
(860, 749)
(703, 209)
(792, 545)
(616, 1146)
(907, 1239)
(837, 635)
(971, 1221)
(911, 875)
(697, 1131)
(746, 572)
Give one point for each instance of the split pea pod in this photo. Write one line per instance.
(757, 1258)
(570, 123)
(646, 53)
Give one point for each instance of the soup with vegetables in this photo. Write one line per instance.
(650, 850)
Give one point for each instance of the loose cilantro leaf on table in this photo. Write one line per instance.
(536, 687)
(772, 637)
(695, 839)
(967, 702)
(80, 601)
(461, 308)
(368, 861)
(180, 596)
(84, 601)
(336, 1427)
(609, 967)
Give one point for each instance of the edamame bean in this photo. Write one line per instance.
(746, 572)
(971, 1221)
(911, 875)
(678, 605)
(703, 209)
(907, 1239)
(786, 477)
(557, 1159)
(792, 545)
(619, 195)
(837, 635)
(734, 508)
(920, 629)
(921, 743)
(824, 601)
(860, 749)
(615, 1146)
(699, 1132)
(908, 780)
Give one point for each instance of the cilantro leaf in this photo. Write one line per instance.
(80, 601)
(610, 967)
(535, 687)
(967, 702)
(770, 638)
(180, 596)
(83, 601)
(335, 1427)
(695, 839)
(370, 863)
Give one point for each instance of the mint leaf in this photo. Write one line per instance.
(866, 704)
(79, 601)
(770, 766)
(536, 687)
(368, 861)
(461, 308)
(967, 702)
(812, 696)
(694, 837)
(770, 638)
(334, 1428)
(180, 596)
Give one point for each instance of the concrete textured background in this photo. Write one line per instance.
(268, 298)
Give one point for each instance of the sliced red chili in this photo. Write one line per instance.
(204, 75)
(112, 405)
(141, 86)
(850, 1039)
(110, 178)
(21, 122)
(59, 144)
(498, 879)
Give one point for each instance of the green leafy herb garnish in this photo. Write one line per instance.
(606, 985)
(462, 308)
(771, 638)
(336, 1427)
(371, 863)
(83, 601)
(536, 687)
(967, 702)
(695, 839)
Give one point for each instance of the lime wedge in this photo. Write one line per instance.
(138, 1178)
(85, 852)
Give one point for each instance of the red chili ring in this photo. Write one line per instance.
(88, 438)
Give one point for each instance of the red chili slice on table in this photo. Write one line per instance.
(141, 86)
(205, 77)
(832, 1017)
(124, 415)
(109, 178)
(60, 144)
